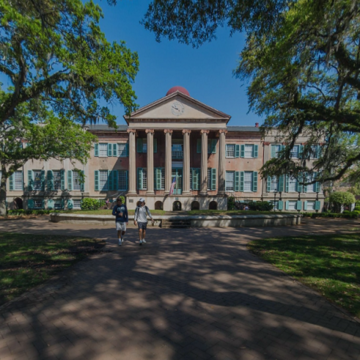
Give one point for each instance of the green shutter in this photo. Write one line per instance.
(97, 180)
(305, 177)
(237, 151)
(242, 151)
(255, 151)
(62, 177)
(115, 150)
(139, 145)
(242, 175)
(69, 180)
(268, 184)
(96, 149)
(42, 176)
(198, 146)
(213, 179)
(70, 204)
(318, 151)
(317, 187)
(305, 205)
(273, 152)
(109, 149)
(299, 187)
(82, 185)
(280, 205)
(212, 146)
(62, 203)
(286, 183)
(317, 205)
(127, 179)
(140, 178)
(157, 175)
(236, 181)
(255, 181)
(115, 175)
(195, 178)
(281, 183)
(298, 205)
(110, 181)
(50, 204)
(286, 205)
(155, 146)
(30, 204)
(50, 180)
(11, 182)
(301, 150)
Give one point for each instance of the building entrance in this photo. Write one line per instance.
(177, 174)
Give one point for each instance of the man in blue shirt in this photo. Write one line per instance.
(122, 219)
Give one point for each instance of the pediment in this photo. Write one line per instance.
(178, 106)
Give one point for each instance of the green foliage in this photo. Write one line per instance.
(90, 204)
(342, 198)
(29, 212)
(260, 206)
(231, 203)
(345, 215)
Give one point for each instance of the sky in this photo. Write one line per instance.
(206, 72)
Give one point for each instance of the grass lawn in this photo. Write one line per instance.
(28, 260)
(329, 264)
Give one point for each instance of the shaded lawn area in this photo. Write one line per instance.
(329, 264)
(28, 260)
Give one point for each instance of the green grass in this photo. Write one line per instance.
(107, 212)
(28, 260)
(329, 264)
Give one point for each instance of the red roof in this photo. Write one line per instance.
(178, 88)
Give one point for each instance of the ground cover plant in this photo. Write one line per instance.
(28, 260)
(329, 264)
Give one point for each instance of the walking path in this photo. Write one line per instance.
(187, 294)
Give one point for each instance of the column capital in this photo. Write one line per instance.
(131, 131)
(204, 132)
(151, 131)
(186, 131)
(223, 131)
(168, 131)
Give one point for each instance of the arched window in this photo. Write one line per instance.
(213, 205)
(159, 205)
(176, 206)
(195, 205)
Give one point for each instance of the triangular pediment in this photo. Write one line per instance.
(178, 106)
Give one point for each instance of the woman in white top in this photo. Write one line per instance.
(140, 219)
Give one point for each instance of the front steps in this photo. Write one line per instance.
(175, 223)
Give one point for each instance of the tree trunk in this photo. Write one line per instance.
(3, 195)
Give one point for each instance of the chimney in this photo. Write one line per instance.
(256, 124)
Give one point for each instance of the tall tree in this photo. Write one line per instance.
(303, 61)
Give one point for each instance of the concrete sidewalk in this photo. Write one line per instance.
(186, 294)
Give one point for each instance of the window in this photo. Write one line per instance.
(122, 150)
(295, 152)
(310, 187)
(248, 177)
(76, 181)
(144, 146)
(104, 184)
(77, 204)
(38, 204)
(275, 149)
(209, 179)
(292, 184)
(103, 150)
(37, 180)
(160, 178)
(122, 180)
(18, 180)
(57, 179)
(229, 180)
(310, 205)
(274, 186)
(230, 150)
(58, 205)
(249, 151)
(142, 179)
(292, 205)
(177, 151)
(275, 204)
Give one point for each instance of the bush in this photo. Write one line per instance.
(260, 206)
(102, 204)
(90, 204)
(345, 214)
(29, 212)
(231, 203)
(342, 198)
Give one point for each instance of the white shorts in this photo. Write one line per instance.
(120, 226)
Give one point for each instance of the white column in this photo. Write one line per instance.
(132, 161)
(168, 159)
(150, 161)
(186, 164)
(222, 159)
(204, 159)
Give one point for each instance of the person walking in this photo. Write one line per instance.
(121, 220)
(140, 219)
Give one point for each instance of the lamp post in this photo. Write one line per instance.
(275, 192)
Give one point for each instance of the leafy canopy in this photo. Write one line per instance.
(342, 198)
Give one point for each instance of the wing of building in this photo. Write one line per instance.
(175, 139)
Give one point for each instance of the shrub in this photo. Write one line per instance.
(345, 214)
(260, 206)
(102, 204)
(231, 203)
(29, 212)
(90, 204)
(342, 198)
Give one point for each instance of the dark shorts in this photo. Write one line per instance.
(142, 225)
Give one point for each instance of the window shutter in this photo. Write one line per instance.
(42, 175)
(62, 179)
(298, 205)
(195, 178)
(305, 177)
(110, 181)
(299, 187)
(50, 180)
(198, 146)
(109, 149)
(140, 178)
(139, 145)
(11, 182)
(280, 205)
(301, 150)
(157, 178)
(305, 205)
(317, 186)
(236, 181)
(242, 175)
(126, 150)
(318, 151)
(286, 183)
(70, 204)
(273, 152)
(82, 185)
(43, 204)
(212, 146)
(281, 183)
(255, 151)
(97, 180)
(69, 180)
(242, 152)
(317, 205)
(62, 205)
(213, 179)
(127, 179)
(286, 205)
(268, 184)
(96, 149)
(237, 151)
(115, 150)
(255, 181)
(30, 203)
(115, 175)
(155, 146)
(50, 204)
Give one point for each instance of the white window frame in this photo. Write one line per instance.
(292, 202)
(121, 148)
(292, 183)
(17, 181)
(106, 187)
(310, 188)
(34, 183)
(230, 149)
(76, 176)
(312, 203)
(275, 204)
(144, 178)
(246, 181)
(57, 174)
(277, 147)
(230, 188)
(294, 154)
(75, 201)
(122, 180)
(247, 148)
(274, 185)
(103, 149)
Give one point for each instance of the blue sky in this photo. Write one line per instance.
(205, 72)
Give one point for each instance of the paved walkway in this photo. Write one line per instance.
(188, 294)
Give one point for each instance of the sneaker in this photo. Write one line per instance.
(144, 242)
(120, 242)
(140, 242)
